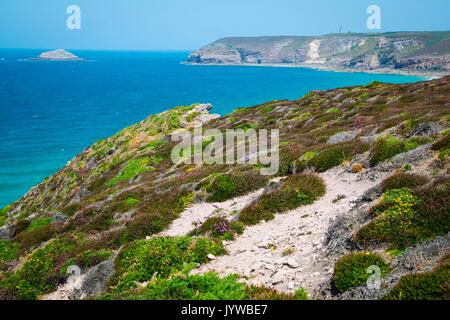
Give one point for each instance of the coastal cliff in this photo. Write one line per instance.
(363, 181)
(424, 53)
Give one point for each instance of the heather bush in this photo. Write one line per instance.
(432, 285)
(333, 156)
(40, 272)
(236, 183)
(8, 251)
(132, 169)
(387, 147)
(219, 227)
(351, 270)
(141, 260)
(405, 217)
(403, 180)
(295, 191)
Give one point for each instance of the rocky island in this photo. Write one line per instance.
(57, 55)
(419, 53)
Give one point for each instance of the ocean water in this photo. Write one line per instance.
(51, 111)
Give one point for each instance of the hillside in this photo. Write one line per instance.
(402, 52)
(363, 181)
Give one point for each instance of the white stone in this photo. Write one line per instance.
(292, 263)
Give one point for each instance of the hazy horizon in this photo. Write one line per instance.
(177, 25)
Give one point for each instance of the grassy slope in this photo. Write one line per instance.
(125, 188)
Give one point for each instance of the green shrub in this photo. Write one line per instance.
(406, 218)
(40, 272)
(351, 270)
(443, 146)
(91, 258)
(407, 167)
(208, 286)
(218, 227)
(433, 285)
(387, 147)
(237, 183)
(196, 287)
(8, 251)
(154, 144)
(191, 117)
(264, 293)
(131, 202)
(301, 294)
(403, 180)
(161, 257)
(222, 188)
(442, 143)
(302, 162)
(173, 121)
(39, 223)
(443, 154)
(333, 110)
(185, 201)
(31, 238)
(133, 168)
(333, 156)
(4, 215)
(155, 215)
(295, 191)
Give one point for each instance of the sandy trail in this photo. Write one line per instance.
(199, 212)
(258, 253)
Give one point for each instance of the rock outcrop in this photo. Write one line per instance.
(57, 55)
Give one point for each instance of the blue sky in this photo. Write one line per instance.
(188, 24)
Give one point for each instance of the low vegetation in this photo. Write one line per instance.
(333, 156)
(3, 215)
(433, 285)
(404, 217)
(8, 251)
(207, 286)
(39, 274)
(221, 228)
(443, 146)
(134, 168)
(125, 188)
(160, 257)
(388, 146)
(223, 187)
(351, 270)
(295, 191)
(156, 215)
(402, 181)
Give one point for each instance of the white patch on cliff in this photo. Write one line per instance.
(313, 52)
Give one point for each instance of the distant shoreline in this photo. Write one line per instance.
(426, 75)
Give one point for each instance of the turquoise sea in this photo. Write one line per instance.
(51, 111)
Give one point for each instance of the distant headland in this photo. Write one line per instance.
(411, 53)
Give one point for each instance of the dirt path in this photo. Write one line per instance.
(199, 212)
(258, 253)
